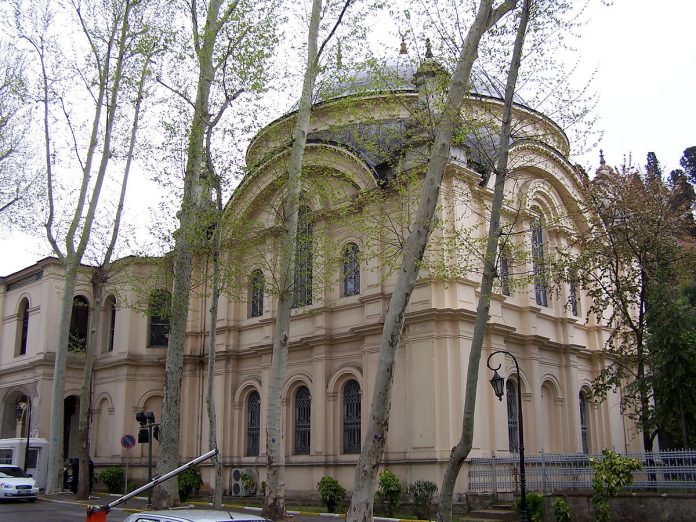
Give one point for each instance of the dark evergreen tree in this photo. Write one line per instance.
(652, 167)
(688, 163)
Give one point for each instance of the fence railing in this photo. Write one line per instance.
(548, 472)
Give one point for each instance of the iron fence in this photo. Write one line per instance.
(548, 472)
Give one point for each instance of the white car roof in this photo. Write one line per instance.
(195, 515)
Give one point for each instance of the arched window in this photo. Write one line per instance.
(584, 434)
(511, 396)
(22, 327)
(351, 417)
(538, 262)
(350, 270)
(110, 313)
(504, 274)
(79, 324)
(303, 414)
(257, 286)
(302, 288)
(253, 427)
(159, 309)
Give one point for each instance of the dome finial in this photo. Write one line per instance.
(403, 49)
(601, 157)
(428, 49)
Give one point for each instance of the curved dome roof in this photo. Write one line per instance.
(396, 75)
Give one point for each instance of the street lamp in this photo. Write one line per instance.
(498, 384)
(20, 411)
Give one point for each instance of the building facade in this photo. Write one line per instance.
(363, 165)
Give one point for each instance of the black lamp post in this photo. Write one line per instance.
(498, 384)
(148, 429)
(20, 411)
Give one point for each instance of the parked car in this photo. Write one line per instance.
(14, 483)
(193, 515)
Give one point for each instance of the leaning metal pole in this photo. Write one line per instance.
(520, 432)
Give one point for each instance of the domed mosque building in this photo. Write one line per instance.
(366, 155)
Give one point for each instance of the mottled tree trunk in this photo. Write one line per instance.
(361, 507)
(274, 501)
(194, 197)
(463, 447)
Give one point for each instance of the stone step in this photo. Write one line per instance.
(492, 514)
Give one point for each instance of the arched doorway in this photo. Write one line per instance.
(71, 420)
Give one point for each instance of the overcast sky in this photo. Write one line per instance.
(645, 53)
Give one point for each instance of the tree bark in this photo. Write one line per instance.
(274, 501)
(166, 494)
(361, 507)
(461, 450)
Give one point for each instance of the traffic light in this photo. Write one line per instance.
(156, 432)
(143, 436)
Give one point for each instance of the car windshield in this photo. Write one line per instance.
(13, 472)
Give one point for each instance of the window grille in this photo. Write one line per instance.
(511, 396)
(24, 332)
(303, 413)
(253, 424)
(351, 270)
(351, 417)
(538, 264)
(112, 324)
(583, 423)
(504, 276)
(257, 285)
(302, 288)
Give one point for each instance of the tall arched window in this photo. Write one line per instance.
(253, 427)
(511, 396)
(351, 417)
(159, 309)
(303, 414)
(22, 327)
(302, 288)
(79, 324)
(350, 270)
(584, 435)
(538, 262)
(257, 286)
(110, 310)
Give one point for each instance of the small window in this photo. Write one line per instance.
(159, 309)
(253, 424)
(351, 417)
(5, 456)
(22, 327)
(573, 300)
(303, 415)
(79, 325)
(504, 276)
(302, 287)
(257, 284)
(110, 313)
(350, 270)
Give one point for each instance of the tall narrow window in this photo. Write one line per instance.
(303, 414)
(511, 396)
(538, 263)
(351, 417)
(253, 424)
(504, 276)
(257, 286)
(583, 423)
(159, 309)
(302, 288)
(573, 295)
(23, 327)
(350, 270)
(79, 325)
(111, 311)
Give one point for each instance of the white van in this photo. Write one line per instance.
(12, 451)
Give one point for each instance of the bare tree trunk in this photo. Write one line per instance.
(361, 507)
(463, 447)
(274, 501)
(167, 494)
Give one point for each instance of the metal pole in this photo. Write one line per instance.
(149, 462)
(26, 449)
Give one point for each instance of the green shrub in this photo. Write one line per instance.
(113, 478)
(190, 481)
(609, 476)
(389, 492)
(535, 506)
(248, 484)
(333, 495)
(423, 493)
(561, 510)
